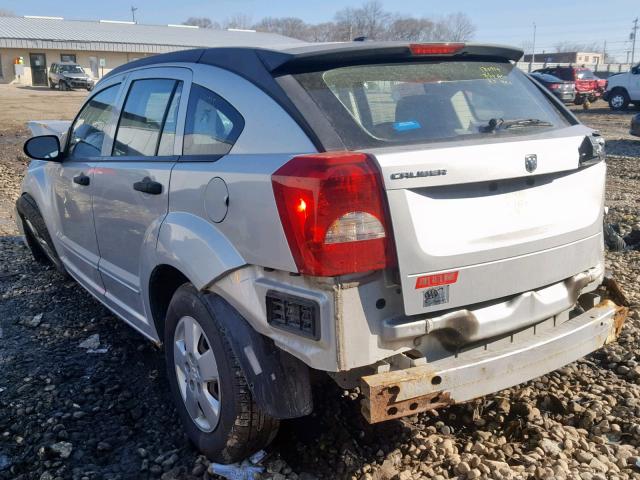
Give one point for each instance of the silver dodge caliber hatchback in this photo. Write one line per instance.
(421, 221)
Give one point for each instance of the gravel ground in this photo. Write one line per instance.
(102, 411)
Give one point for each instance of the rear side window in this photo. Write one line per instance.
(212, 125)
(423, 102)
(88, 130)
(143, 117)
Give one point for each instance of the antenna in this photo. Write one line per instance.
(133, 13)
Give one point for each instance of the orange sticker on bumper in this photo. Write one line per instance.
(436, 280)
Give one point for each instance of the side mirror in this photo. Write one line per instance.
(44, 147)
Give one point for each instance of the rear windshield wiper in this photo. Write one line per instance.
(500, 124)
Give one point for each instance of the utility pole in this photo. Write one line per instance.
(533, 49)
(604, 52)
(634, 34)
(133, 13)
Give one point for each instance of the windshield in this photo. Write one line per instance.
(422, 102)
(71, 69)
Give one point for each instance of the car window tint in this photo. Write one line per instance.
(88, 131)
(168, 136)
(212, 125)
(142, 117)
(563, 73)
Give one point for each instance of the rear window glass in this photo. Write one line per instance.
(423, 102)
(563, 73)
(585, 75)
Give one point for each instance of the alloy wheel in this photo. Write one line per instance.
(197, 374)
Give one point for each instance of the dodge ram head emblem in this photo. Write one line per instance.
(531, 162)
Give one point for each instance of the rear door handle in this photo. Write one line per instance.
(82, 179)
(146, 185)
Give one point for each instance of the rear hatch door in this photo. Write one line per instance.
(481, 173)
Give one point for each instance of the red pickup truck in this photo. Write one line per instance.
(588, 86)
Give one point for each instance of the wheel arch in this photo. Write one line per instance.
(187, 249)
(163, 283)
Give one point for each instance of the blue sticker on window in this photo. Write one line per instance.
(405, 126)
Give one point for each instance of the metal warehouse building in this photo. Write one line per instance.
(28, 45)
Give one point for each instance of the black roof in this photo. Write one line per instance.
(307, 56)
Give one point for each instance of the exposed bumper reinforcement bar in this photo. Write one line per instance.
(399, 393)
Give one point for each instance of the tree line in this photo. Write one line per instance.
(370, 20)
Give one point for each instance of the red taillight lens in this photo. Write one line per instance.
(435, 49)
(554, 86)
(332, 211)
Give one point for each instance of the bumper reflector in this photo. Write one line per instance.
(294, 314)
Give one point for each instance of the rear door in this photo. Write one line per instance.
(481, 176)
(131, 190)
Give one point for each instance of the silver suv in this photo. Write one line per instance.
(421, 221)
(69, 75)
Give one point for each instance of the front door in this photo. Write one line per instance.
(38, 63)
(130, 198)
(74, 186)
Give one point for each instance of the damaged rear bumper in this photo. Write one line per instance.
(494, 366)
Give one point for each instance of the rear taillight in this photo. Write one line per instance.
(435, 48)
(333, 213)
(554, 86)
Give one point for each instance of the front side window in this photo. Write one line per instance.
(212, 125)
(143, 117)
(88, 131)
(429, 101)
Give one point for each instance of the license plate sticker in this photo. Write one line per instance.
(436, 296)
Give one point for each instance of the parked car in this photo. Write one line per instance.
(564, 90)
(69, 75)
(586, 83)
(428, 231)
(635, 126)
(623, 89)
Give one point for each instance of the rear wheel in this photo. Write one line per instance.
(52, 85)
(37, 234)
(618, 100)
(62, 86)
(208, 384)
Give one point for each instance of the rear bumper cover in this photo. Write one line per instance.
(503, 364)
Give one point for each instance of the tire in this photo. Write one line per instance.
(618, 100)
(240, 427)
(62, 86)
(51, 85)
(37, 235)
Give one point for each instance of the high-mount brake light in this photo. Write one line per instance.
(333, 213)
(435, 48)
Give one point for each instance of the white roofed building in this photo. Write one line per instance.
(28, 45)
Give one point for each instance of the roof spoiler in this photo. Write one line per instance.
(319, 56)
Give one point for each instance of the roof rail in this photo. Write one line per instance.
(182, 26)
(240, 30)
